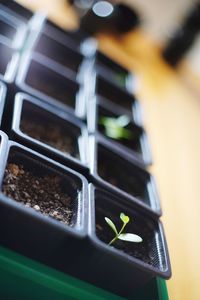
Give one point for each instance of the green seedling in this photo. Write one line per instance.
(129, 237)
(115, 127)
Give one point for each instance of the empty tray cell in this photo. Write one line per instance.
(114, 94)
(112, 70)
(59, 52)
(72, 38)
(50, 83)
(122, 174)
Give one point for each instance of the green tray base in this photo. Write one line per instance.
(23, 278)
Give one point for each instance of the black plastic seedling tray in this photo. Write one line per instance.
(49, 131)
(74, 38)
(51, 234)
(49, 212)
(58, 245)
(130, 264)
(8, 63)
(114, 72)
(115, 96)
(16, 10)
(39, 77)
(12, 30)
(2, 99)
(59, 51)
(65, 57)
(110, 168)
(3, 145)
(136, 146)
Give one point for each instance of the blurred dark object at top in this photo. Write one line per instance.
(81, 6)
(183, 38)
(98, 16)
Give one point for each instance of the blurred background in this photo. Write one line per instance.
(160, 19)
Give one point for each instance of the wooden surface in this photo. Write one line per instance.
(172, 121)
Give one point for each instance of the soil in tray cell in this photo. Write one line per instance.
(53, 135)
(42, 193)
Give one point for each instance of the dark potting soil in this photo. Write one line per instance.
(142, 251)
(44, 194)
(52, 135)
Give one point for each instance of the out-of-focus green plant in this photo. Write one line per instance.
(115, 127)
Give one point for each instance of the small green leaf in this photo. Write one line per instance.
(123, 120)
(130, 237)
(113, 133)
(125, 219)
(102, 120)
(114, 127)
(126, 134)
(112, 225)
(111, 122)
